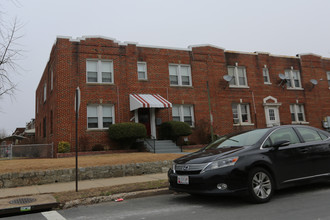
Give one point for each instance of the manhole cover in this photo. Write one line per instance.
(22, 200)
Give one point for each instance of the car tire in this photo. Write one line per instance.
(260, 185)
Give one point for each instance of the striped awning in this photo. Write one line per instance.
(137, 101)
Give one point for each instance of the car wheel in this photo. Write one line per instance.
(260, 185)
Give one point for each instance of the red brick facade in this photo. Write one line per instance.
(66, 70)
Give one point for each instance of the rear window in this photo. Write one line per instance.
(309, 135)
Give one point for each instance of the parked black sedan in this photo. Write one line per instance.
(257, 161)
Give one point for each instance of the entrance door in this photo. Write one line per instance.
(144, 118)
(272, 116)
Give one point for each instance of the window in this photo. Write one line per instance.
(265, 74)
(44, 127)
(241, 113)
(99, 71)
(99, 116)
(293, 79)
(297, 113)
(51, 80)
(142, 70)
(309, 135)
(239, 76)
(284, 134)
(184, 113)
(180, 75)
(45, 92)
(328, 76)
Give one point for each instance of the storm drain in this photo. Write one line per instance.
(22, 201)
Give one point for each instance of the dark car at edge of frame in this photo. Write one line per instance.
(258, 162)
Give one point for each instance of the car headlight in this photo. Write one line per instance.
(230, 161)
(173, 167)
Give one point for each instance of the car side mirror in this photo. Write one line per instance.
(282, 143)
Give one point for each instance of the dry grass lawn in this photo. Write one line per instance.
(21, 165)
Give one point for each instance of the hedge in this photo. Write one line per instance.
(127, 133)
(174, 129)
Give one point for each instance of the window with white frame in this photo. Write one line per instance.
(265, 73)
(180, 74)
(293, 78)
(99, 71)
(239, 76)
(100, 116)
(184, 113)
(45, 92)
(241, 113)
(142, 70)
(297, 113)
(328, 76)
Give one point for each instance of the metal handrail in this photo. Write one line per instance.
(153, 144)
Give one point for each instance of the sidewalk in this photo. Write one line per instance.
(84, 184)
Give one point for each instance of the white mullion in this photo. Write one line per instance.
(296, 112)
(99, 72)
(113, 114)
(239, 112)
(236, 75)
(179, 75)
(99, 116)
(292, 79)
(192, 115)
(181, 113)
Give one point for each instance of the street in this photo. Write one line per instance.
(306, 202)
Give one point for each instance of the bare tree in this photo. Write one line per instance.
(9, 53)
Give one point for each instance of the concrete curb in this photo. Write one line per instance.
(100, 199)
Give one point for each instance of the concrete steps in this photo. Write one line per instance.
(162, 146)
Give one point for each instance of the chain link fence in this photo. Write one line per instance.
(27, 151)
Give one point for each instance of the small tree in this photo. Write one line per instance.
(127, 133)
(174, 129)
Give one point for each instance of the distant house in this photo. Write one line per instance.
(201, 85)
(21, 135)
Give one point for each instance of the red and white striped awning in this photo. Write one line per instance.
(137, 101)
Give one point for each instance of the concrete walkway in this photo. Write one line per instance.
(84, 184)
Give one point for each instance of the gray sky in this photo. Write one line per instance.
(283, 27)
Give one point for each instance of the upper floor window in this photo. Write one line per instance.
(142, 70)
(293, 78)
(328, 76)
(297, 113)
(45, 92)
(180, 75)
(184, 113)
(100, 116)
(99, 71)
(265, 74)
(241, 113)
(51, 80)
(239, 76)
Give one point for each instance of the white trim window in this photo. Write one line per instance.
(265, 73)
(239, 76)
(45, 92)
(293, 79)
(241, 114)
(99, 71)
(180, 75)
(142, 70)
(184, 113)
(297, 113)
(100, 116)
(328, 76)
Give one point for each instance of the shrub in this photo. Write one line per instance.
(127, 133)
(98, 147)
(174, 129)
(63, 147)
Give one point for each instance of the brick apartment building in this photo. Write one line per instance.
(122, 82)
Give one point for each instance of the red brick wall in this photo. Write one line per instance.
(208, 64)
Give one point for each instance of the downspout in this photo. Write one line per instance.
(255, 111)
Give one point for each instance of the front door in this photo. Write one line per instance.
(144, 118)
(272, 116)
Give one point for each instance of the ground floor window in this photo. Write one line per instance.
(100, 116)
(241, 113)
(297, 113)
(184, 113)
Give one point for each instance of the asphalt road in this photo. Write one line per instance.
(307, 202)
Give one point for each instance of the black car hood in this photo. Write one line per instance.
(205, 156)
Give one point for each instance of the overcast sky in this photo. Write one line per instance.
(282, 27)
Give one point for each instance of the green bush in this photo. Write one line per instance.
(127, 133)
(174, 129)
(98, 147)
(63, 147)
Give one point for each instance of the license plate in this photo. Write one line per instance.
(183, 180)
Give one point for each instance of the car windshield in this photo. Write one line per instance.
(247, 138)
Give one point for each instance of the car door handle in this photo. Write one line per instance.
(303, 151)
